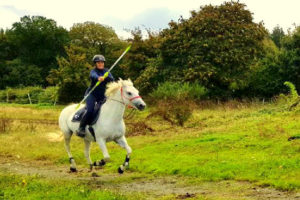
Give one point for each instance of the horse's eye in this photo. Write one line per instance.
(129, 93)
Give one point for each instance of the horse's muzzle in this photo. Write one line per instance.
(141, 106)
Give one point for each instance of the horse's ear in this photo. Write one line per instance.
(122, 82)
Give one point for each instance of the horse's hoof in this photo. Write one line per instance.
(94, 174)
(73, 169)
(120, 170)
(99, 163)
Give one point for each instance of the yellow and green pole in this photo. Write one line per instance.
(104, 76)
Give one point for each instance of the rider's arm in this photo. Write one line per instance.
(94, 76)
(110, 78)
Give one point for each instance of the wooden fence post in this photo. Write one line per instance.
(29, 98)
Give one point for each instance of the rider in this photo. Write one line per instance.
(98, 95)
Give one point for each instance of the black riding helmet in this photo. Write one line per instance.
(98, 58)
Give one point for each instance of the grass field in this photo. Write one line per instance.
(222, 152)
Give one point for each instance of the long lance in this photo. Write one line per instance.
(104, 76)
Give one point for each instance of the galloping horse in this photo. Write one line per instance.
(110, 125)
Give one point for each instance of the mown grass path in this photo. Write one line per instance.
(133, 185)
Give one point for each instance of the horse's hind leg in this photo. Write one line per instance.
(87, 145)
(71, 159)
(123, 143)
(103, 147)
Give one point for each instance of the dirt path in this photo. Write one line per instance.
(153, 188)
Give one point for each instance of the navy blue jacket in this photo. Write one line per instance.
(99, 92)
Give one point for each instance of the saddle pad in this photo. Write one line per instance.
(81, 112)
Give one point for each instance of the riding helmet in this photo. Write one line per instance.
(98, 58)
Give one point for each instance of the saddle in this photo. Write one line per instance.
(81, 112)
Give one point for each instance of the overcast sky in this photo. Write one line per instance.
(127, 14)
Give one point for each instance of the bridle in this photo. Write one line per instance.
(130, 99)
(123, 97)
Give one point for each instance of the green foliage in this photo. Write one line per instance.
(141, 56)
(7, 47)
(215, 46)
(36, 95)
(49, 95)
(20, 95)
(290, 57)
(177, 112)
(293, 92)
(15, 73)
(38, 40)
(176, 91)
(265, 77)
(91, 35)
(277, 35)
(149, 78)
(175, 100)
(275, 67)
(72, 76)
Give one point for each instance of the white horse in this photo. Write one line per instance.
(109, 126)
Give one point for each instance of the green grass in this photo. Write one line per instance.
(245, 142)
(33, 187)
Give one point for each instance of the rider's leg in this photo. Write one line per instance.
(90, 103)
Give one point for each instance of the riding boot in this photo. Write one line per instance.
(82, 125)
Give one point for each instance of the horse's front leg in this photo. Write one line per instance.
(123, 143)
(106, 156)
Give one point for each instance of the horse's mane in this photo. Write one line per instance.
(112, 87)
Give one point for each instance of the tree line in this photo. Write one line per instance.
(219, 48)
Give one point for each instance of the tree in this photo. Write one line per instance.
(7, 48)
(277, 66)
(72, 76)
(215, 46)
(277, 35)
(39, 41)
(290, 57)
(15, 73)
(141, 52)
(266, 77)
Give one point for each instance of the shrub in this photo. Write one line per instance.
(293, 92)
(175, 101)
(289, 101)
(177, 90)
(177, 112)
(49, 96)
(37, 95)
(3, 96)
(20, 95)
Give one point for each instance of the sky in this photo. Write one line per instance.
(151, 14)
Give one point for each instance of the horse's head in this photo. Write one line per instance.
(129, 94)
